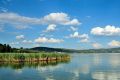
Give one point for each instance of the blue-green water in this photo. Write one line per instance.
(104, 66)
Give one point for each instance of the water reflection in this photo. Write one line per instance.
(114, 60)
(109, 69)
(88, 64)
(81, 67)
(106, 75)
(20, 65)
(97, 59)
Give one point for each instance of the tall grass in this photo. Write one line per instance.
(18, 57)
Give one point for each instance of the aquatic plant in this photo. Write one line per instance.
(19, 57)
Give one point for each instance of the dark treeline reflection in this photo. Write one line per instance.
(20, 65)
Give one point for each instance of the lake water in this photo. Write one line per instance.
(81, 67)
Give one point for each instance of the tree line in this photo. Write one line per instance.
(5, 48)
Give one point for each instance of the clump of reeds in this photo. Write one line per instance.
(29, 57)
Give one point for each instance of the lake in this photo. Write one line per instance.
(99, 66)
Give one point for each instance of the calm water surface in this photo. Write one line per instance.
(81, 67)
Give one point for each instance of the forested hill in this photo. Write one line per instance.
(47, 49)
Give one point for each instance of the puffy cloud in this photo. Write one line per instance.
(52, 18)
(77, 35)
(114, 43)
(73, 22)
(60, 18)
(48, 40)
(97, 45)
(27, 41)
(20, 37)
(51, 27)
(97, 31)
(106, 31)
(84, 38)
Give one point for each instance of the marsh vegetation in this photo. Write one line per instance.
(32, 57)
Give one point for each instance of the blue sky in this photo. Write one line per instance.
(76, 24)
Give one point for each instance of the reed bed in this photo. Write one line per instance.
(32, 57)
(20, 65)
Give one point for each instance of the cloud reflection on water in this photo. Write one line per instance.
(82, 67)
(114, 60)
(106, 75)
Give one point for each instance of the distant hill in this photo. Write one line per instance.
(47, 49)
(108, 50)
(4, 48)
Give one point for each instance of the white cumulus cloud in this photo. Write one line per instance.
(114, 43)
(48, 40)
(60, 18)
(50, 28)
(52, 18)
(20, 37)
(106, 31)
(77, 35)
(84, 38)
(27, 41)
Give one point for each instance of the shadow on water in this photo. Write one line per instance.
(20, 65)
